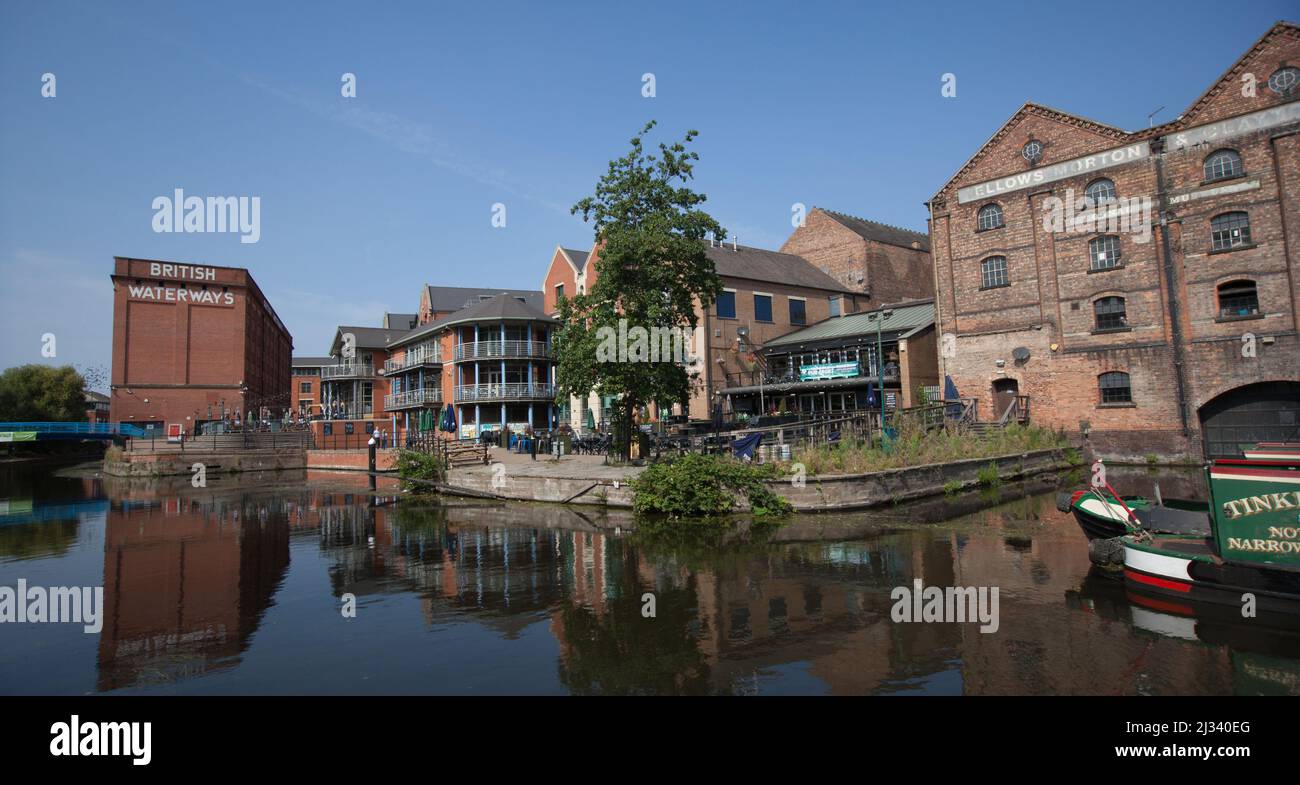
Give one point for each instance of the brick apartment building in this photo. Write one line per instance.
(884, 263)
(192, 343)
(488, 349)
(765, 294)
(1164, 319)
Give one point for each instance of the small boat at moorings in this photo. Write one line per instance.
(1253, 547)
(1104, 515)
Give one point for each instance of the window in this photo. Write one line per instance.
(1238, 298)
(1223, 164)
(1104, 252)
(1100, 192)
(1284, 80)
(993, 272)
(1110, 314)
(990, 217)
(798, 311)
(304, 387)
(727, 305)
(835, 306)
(1229, 230)
(1115, 387)
(762, 307)
(559, 292)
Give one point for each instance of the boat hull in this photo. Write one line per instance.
(1172, 569)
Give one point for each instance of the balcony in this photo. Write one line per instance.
(489, 350)
(412, 360)
(510, 391)
(413, 399)
(348, 371)
(768, 379)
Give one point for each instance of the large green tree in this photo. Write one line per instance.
(652, 271)
(42, 393)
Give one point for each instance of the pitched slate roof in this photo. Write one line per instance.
(759, 264)
(400, 321)
(505, 305)
(443, 299)
(907, 319)
(312, 362)
(576, 258)
(366, 337)
(881, 233)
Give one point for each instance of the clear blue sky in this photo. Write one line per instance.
(463, 105)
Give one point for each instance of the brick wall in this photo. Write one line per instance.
(1048, 304)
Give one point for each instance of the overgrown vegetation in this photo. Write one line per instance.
(416, 465)
(705, 486)
(988, 475)
(913, 446)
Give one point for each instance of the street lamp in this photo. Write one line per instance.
(879, 318)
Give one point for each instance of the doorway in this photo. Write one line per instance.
(1005, 392)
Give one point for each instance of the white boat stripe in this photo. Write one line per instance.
(1157, 563)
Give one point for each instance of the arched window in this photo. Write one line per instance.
(1223, 164)
(1103, 252)
(1115, 387)
(1100, 191)
(1110, 314)
(1238, 298)
(1229, 230)
(990, 217)
(993, 272)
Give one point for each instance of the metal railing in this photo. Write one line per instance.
(76, 428)
(507, 391)
(402, 400)
(412, 360)
(224, 442)
(479, 350)
(347, 371)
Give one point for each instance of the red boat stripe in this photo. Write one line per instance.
(1160, 605)
(1152, 580)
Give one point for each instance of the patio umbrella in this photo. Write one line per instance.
(871, 395)
(450, 426)
(591, 420)
(950, 394)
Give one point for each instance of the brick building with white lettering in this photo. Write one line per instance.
(1163, 318)
(194, 343)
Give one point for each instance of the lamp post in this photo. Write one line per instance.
(879, 318)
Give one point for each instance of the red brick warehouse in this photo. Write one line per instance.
(1164, 320)
(193, 342)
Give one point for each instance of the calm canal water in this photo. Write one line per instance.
(235, 589)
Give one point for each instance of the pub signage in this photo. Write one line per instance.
(814, 373)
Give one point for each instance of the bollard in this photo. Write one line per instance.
(372, 463)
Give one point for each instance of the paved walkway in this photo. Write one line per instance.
(580, 467)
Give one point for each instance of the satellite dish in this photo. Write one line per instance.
(1020, 354)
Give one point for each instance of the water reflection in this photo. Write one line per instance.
(230, 589)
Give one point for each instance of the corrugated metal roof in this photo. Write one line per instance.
(906, 318)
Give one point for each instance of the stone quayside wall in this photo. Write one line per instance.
(819, 494)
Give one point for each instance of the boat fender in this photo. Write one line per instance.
(1107, 553)
(1063, 501)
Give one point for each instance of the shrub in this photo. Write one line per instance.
(416, 465)
(988, 475)
(704, 486)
